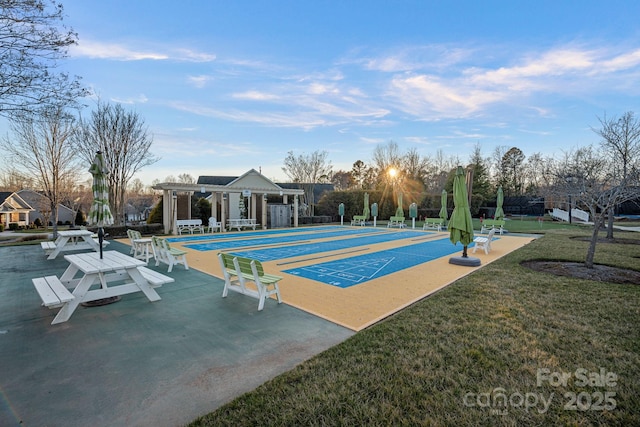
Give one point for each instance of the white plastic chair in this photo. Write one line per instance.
(484, 242)
(214, 224)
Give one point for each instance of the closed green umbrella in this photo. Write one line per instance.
(460, 223)
(443, 209)
(100, 213)
(499, 201)
(366, 211)
(399, 210)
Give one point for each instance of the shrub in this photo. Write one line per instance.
(79, 218)
(155, 216)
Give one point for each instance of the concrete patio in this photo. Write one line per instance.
(138, 363)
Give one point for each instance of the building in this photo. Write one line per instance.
(25, 206)
(225, 195)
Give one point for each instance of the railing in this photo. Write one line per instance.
(580, 214)
(563, 215)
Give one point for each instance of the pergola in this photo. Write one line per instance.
(252, 185)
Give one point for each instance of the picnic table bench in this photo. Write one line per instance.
(359, 220)
(489, 224)
(190, 225)
(52, 291)
(396, 221)
(238, 270)
(433, 224)
(241, 223)
(71, 240)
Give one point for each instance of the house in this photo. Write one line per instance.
(14, 209)
(25, 206)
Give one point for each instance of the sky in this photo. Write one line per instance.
(227, 86)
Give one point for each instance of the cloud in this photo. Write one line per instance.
(468, 91)
(432, 98)
(254, 95)
(199, 81)
(123, 52)
(140, 99)
(427, 83)
(621, 62)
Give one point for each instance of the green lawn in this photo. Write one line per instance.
(490, 349)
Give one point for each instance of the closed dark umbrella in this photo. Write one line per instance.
(100, 213)
(460, 223)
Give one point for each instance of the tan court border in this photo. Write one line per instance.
(360, 306)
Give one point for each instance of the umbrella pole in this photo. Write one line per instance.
(100, 239)
(464, 252)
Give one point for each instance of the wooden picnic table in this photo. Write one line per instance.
(71, 240)
(115, 274)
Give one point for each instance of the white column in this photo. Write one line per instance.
(253, 206)
(264, 212)
(166, 210)
(223, 214)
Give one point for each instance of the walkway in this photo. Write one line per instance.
(137, 363)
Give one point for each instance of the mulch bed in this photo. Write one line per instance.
(600, 273)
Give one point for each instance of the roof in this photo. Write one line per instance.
(252, 180)
(13, 203)
(4, 195)
(216, 180)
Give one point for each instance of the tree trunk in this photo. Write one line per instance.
(610, 224)
(54, 209)
(591, 252)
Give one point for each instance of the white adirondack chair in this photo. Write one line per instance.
(484, 242)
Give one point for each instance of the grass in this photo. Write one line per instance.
(484, 337)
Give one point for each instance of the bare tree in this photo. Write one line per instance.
(585, 175)
(42, 146)
(385, 158)
(32, 41)
(185, 178)
(14, 180)
(536, 172)
(308, 170)
(342, 180)
(415, 166)
(439, 171)
(140, 197)
(124, 141)
(621, 142)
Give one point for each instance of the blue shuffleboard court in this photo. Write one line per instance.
(290, 251)
(243, 234)
(372, 236)
(362, 268)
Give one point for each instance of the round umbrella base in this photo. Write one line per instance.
(465, 261)
(99, 302)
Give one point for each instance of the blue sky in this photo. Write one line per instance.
(225, 86)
